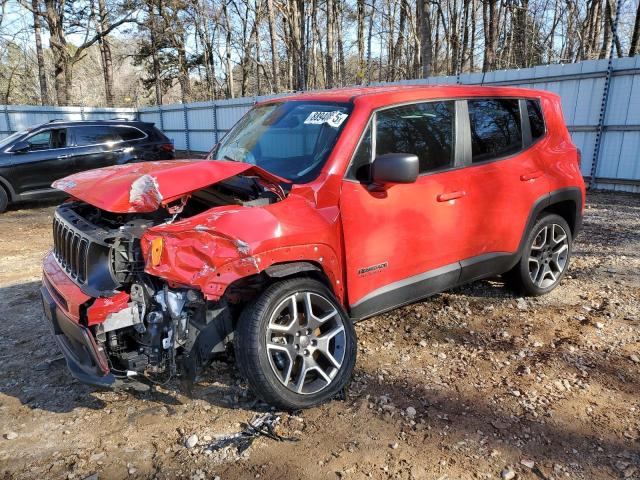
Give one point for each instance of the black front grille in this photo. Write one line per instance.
(71, 250)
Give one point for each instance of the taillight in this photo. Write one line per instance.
(167, 147)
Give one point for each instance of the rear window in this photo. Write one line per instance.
(129, 133)
(495, 128)
(84, 136)
(536, 120)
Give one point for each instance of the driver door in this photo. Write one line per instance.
(403, 242)
(46, 160)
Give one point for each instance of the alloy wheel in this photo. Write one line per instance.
(548, 256)
(306, 342)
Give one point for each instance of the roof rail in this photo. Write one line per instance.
(122, 118)
(57, 120)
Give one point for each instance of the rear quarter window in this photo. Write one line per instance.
(536, 119)
(495, 128)
(130, 133)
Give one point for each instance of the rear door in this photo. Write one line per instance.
(404, 242)
(46, 160)
(95, 146)
(506, 176)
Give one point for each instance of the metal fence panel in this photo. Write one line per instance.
(14, 118)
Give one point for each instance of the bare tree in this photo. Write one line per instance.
(42, 75)
(426, 47)
(635, 37)
(329, 55)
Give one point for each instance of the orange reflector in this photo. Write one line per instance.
(156, 251)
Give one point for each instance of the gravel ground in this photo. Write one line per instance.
(473, 383)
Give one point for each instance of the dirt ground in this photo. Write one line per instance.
(473, 383)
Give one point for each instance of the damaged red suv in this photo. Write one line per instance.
(320, 209)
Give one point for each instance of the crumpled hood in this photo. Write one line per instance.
(144, 187)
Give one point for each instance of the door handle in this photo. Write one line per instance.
(525, 177)
(60, 157)
(445, 197)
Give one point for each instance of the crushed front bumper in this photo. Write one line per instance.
(86, 361)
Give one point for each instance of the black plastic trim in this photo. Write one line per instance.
(406, 291)
(280, 270)
(486, 265)
(77, 345)
(525, 126)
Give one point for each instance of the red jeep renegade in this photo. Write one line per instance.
(320, 209)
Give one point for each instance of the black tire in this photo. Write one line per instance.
(255, 361)
(519, 278)
(4, 200)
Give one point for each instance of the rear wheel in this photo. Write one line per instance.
(295, 344)
(4, 200)
(545, 259)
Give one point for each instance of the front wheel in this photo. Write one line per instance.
(295, 344)
(545, 259)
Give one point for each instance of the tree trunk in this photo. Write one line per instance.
(472, 48)
(490, 24)
(369, 35)
(330, 79)
(183, 73)
(338, 15)
(424, 22)
(58, 44)
(105, 54)
(156, 64)
(634, 49)
(521, 49)
(607, 38)
(465, 35)
(360, 12)
(397, 49)
(225, 12)
(275, 69)
(42, 74)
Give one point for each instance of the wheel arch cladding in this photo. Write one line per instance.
(567, 209)
(564, 199)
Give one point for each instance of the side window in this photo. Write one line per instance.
(94, 135)
(536, 120)
(495, 128)
(58, 138)
(424, 129)
(360, 167)
(40, 141)
(129, 133)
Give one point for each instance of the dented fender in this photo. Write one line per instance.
(212, 250)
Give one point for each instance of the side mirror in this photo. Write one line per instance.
(20, 147)
(395, 168)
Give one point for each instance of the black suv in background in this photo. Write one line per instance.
(31, 160)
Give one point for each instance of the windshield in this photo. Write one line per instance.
(290, 139)
(5, 142)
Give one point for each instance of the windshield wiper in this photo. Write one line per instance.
(227, 157)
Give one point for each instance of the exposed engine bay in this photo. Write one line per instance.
(145, 326)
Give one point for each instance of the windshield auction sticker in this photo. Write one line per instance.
(333, 119)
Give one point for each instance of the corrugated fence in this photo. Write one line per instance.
(600, 98)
